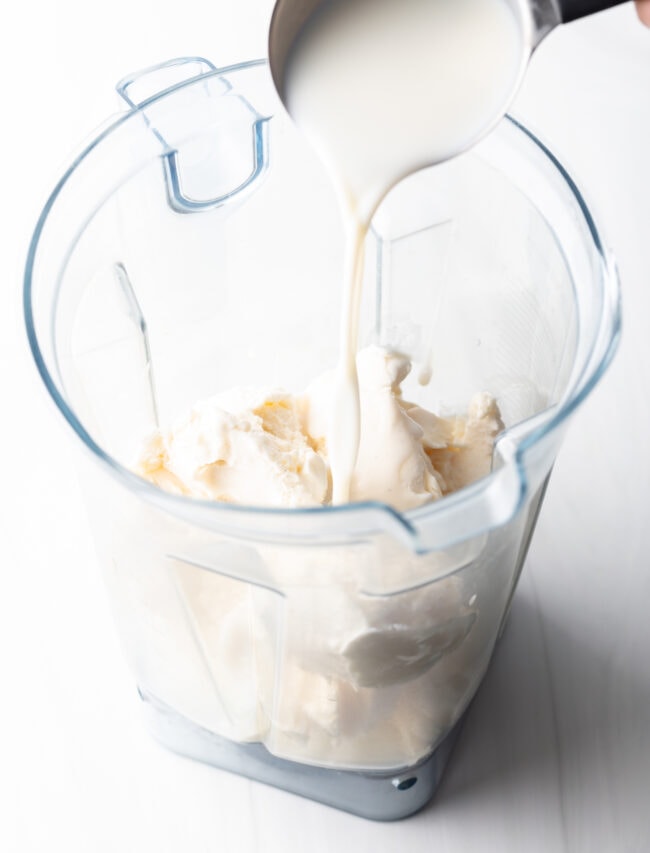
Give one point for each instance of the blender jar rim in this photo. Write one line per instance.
(371, 516)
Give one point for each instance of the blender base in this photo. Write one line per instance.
(377, 795)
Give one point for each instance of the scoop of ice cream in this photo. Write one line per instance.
(270, 448)
(468, 455)
(392, 465)
(245, 447)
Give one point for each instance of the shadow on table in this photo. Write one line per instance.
(552, 713)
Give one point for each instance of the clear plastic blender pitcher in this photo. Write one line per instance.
(194, 246)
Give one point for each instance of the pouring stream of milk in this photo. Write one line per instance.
(383, 88)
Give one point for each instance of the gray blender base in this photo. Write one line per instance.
(375, 795)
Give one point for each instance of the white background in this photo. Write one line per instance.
(555, 754)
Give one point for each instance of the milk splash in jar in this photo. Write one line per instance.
(382, 88)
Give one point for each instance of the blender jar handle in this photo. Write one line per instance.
(572, 9)
(147, 82)
(141, 87)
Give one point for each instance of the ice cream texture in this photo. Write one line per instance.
(261, 447)
(337, 676)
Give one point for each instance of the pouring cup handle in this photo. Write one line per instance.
(572, 9)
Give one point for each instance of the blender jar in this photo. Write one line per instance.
(194, 246)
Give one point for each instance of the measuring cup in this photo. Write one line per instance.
(535, 19)
(195, 245)
(355, 71)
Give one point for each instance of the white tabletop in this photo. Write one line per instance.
(555, 753)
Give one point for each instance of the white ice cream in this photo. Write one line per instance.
(269, 448)
(241, 446)
(324, 672)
